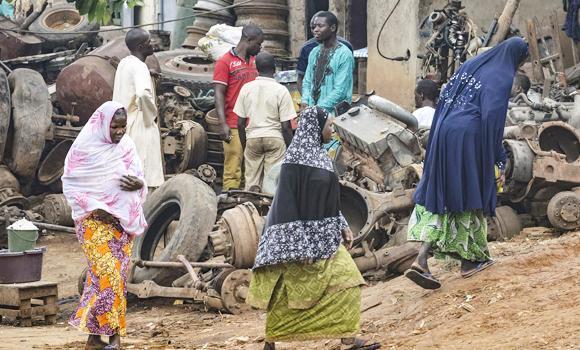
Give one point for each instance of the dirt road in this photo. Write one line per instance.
(529, 300)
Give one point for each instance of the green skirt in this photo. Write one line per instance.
(458, 235)
(307, 302)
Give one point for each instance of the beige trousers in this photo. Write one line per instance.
(233, 162)
(260, 155)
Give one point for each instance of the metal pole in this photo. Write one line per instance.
(171, 264)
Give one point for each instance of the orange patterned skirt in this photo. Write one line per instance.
(103, 305)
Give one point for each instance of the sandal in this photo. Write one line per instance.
(479, 267)
(361, 344)
(422, 278)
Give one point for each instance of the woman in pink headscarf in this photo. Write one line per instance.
(104, 185)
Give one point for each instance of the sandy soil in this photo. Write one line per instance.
(529, 300)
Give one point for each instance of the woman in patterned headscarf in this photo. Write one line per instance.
(458, 188)
(303, 276)
(104, 185)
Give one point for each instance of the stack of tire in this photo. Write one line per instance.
(203, 22)
(272, 17)
(62, 27)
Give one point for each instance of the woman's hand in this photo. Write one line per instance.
(348, 237)
(131, 183)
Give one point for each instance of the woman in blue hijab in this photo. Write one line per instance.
(458, 186)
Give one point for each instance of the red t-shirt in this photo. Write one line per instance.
(233, 72)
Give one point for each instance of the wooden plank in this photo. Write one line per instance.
(27, 312)
(37, 293)
(27, 285)
(12, 294)
(9, 296)
(538, 75)
(559, 62)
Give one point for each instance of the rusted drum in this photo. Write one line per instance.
(5, 111)
(84, 85)
(272, 17)
(14, 45)
(204, 21)
(31, 118)
(52, 166)
(87, 83)
(56, 210)
(269, 15)
(194, 33)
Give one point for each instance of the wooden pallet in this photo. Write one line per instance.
(23, 301)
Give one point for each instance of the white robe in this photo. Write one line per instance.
(134, 89)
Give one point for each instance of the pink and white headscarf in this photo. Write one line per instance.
(93, 169)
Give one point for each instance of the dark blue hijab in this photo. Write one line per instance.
(467, 131)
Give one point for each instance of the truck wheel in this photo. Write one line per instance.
(193, 205)
(31, 118)
(59, 19)
(5, 110)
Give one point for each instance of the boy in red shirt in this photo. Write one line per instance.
(232, 71)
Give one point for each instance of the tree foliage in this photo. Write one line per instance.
(101, 10)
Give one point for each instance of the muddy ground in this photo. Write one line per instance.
(529, 300)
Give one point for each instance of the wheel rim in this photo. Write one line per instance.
(64, 20)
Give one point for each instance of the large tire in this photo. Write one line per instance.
(5, 111)
(194, 204)
(59, 19)
(31, 118)
(185, 67)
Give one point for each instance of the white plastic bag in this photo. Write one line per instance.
(219, 39)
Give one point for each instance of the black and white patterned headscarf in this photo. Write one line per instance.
(304, 221)
(306, 147)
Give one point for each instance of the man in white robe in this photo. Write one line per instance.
(134, 89)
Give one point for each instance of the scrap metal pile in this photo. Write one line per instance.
(379, 165)
(200, 246)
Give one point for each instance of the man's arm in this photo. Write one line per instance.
(286, 112)
(287, 132)
(342, 83)
(220, 107)
(242, 131)
(301, 66)
(306, 91)
(241, 112)
(220, 84)
(299, 79)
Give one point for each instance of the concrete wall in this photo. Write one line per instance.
(396, 80)
(390, 79)
(296, 26)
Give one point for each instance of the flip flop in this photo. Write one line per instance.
(480, 267)
(361, 344)
(423, 279)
